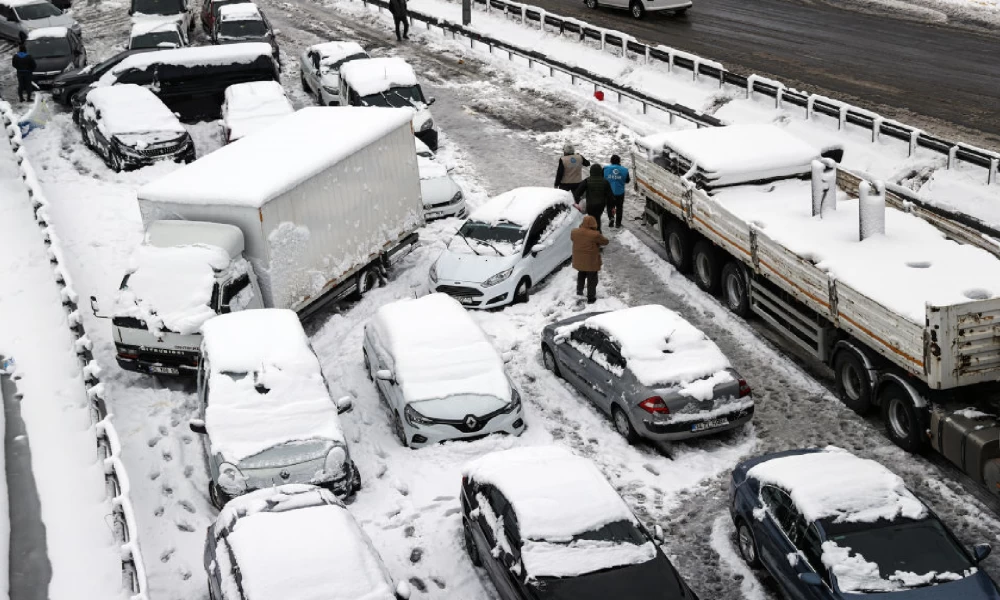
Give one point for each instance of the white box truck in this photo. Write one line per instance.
(311, 209)
(903, 305)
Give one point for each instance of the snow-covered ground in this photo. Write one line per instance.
(501, 128)
(976, 12)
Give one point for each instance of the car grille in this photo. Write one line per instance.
(459, 291)
(443, 204)
(169, 358)
(166, 150)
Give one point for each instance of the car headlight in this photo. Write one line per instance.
(498, 278)
(231, 479)
(433, 273)
(515, 401)
(427, 125)
(416, 419)
(456, 198)
(336, 461)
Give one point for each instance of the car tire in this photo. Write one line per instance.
(707, 266)
(398, 430)
(216, 496)
(746, 543)
(549, 360)
(677, 239)
(854, 386)
(622, 425)
(735, 288)
(904, 422)
(636, 9)
(522, 291)
(592, 4)
(680, 12)
(366, 280)
(470, 545)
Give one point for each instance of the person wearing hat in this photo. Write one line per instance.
(596, 192)
(24, 66)
(617, 176)
(587, 244)
(569, 172)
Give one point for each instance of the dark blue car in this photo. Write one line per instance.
(811, 517)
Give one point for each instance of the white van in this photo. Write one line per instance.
(438, 373)
(388, 82)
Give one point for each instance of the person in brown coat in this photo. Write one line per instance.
(587, 244)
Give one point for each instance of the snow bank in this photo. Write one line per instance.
(192, 56)
(48, 32)
(375, 75)
(252, 106)
(241, 11)
(520, 206)
(254, 171)
(439, 351)
(851, 489)
(130, 108)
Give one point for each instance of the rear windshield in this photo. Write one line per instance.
(397, 97)
(157, 7)
(49, 47)
(42, 10)
(243, 29)
(157, 39)
(334, 66)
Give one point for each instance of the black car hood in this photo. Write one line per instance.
(81, 75)
(652, 580)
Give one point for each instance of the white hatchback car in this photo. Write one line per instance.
(319, 68)
(638, 8)
(509, 244)
(251, 106)
(442, 197)
(438, 373)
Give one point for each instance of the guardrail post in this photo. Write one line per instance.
(672, 116)
(647, 55)
(670, 62)
(777, 97)
(843, 117)
(644, 107)
(722, 79)
(991, 177)
(524, 13)
(750, 81)
(876, 128)
(809, 107)
(952, 152)
(572, 78)
(695, 68)
(603, 41)
(914, 136)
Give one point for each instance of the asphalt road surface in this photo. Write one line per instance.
(943, 78)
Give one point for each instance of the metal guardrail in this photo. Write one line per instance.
(108, 445)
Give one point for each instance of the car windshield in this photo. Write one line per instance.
(31, 12)
(618, 532)
(397, 97)
(157, 7)
(906, 547)
(48, 47)
(243, 29)
(327, 67)
(505, 233)
(157, 39)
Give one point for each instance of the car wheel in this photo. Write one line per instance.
(677, 238)
(397, 428)
(522, 291)
(217, 497)
(681, 11)
(622, 425)
(636, 9)
(707, 270)
(591, 3)
(470, 545)
(368, 366)
(904, 422)
(735, 288)
(746, 543)
(854, 386)
(367, 279)
(549, 359)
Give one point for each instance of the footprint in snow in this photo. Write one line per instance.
(651, 469)
(158, 512)
(167, 456)
(154, 475)
(418, 584)
(452, 511)
(163, 430)
(188, 470)
(185, 526)
(401, 488)
(409, 531)
(438, 582)
(165, 556)
(153, 441)
(416, 554)
(444, 498)
(186, 505)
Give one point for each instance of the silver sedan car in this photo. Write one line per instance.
(651, 371)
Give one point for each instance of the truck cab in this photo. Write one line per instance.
(183, 274)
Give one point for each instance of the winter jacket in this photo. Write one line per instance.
(617, 176)
(597, 191)
(587, 244)
(570, 169)
(23, 63)
(398, 8)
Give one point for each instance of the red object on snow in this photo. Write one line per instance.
(599, 95)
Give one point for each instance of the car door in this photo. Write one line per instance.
(808, 542)
(607, 367)
(774, 540)
(582, 341)
(555, 239)
(493, 540)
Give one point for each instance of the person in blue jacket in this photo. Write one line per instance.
(617, 176)
(24, 66)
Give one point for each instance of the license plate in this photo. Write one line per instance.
(165, 370)
(465, 300)
(710, 424)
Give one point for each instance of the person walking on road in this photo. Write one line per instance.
(587, 244)
(24, 65)
(617, 176)
(400, 14)
(569, 172)
(597, 193)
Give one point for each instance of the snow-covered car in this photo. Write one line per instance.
(243, 22)
(651, 371)
(639, 8)
(252, 106)
(388, 82)
(437, 372)
(162, 11)
(129, 127)
(294, 541)
(158, 35)
(546, 525)
(268, 414)
(828, 525)
(209, 12)
(18, 18)
(507, 245)
(319, 67)
(442, 197)
(55, 49)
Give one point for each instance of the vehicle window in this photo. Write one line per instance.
(314, 59)
(156, 39)
(780, 506)
(812, 547)
(336, 66)
(243, 28)
(31, 12)
(157, 7)
(397, 97)
(237, 294)
(505, 233)
(540, 225)
(4, 13)
(48, 47)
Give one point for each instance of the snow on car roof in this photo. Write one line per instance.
(737, 153)
(555, 494)
(430, 169)
(192, 56)
(439, 351)
(520, 206)
(835, 484)
(145, 26)
(373, 75)
(241, 11)
(48, 32)
(331, 52)
(254, 105)
(130, 108)
(166, 234)
(266, 386)
(659, 346)
(244, 174)
(320, 552)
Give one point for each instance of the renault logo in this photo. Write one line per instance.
(285, 474)
(471, 422)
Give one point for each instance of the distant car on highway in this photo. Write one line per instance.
(639, 8)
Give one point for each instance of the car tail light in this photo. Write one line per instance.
(744, 388)
(128, 355)
(655, 405)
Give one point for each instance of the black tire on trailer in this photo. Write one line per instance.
(905, 423)
(735, 288)
(677, 239)
(854, 385)
(367, 279)
(706, 261)
(636, 9)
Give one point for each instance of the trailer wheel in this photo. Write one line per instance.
(735, 288)
(707, 266)
(854, 386)
(991, 476)
(904, 422)
(677, 239)
(367, 279)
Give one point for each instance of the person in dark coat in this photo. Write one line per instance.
(569, 171)
(597, 193)
(617, 176)
(24, 65)
(587, 244)
(400, 14)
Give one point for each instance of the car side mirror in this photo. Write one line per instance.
(431, 101)
(810, 578)
(980, 552)
(344, 404)
(658, 534)
(131, 12)
(539, 248)
(197, 426)
(403, 590)
(384, 375)
(95, 307)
